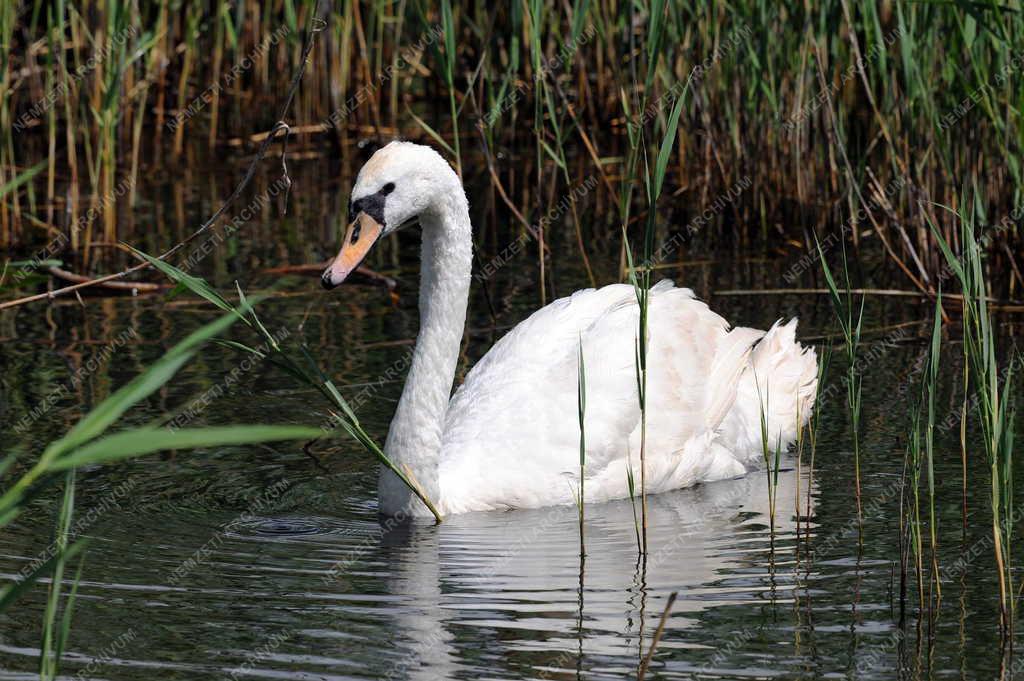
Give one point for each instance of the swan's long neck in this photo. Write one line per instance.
(414, 440)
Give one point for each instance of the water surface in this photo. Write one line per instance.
(259, 562)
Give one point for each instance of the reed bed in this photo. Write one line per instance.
(102, 91)
(992, 392)
(921, 461)
(988, 407)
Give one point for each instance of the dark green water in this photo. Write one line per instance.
(256, 562)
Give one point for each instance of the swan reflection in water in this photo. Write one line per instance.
(519, 575)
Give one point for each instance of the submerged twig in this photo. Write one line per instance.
(642, 669)
(131, 286)
(1009, 304)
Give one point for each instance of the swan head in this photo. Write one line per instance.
(400, 182)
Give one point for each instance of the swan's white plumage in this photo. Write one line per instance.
(509, 437)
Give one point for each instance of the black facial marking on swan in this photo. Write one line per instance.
(372, 205)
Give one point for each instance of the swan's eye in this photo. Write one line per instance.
(387, 189)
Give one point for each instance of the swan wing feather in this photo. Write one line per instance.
(512, 433)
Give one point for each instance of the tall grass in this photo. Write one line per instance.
(814, 421)
(921, 455)
(850, 323)
(893, 71)
(772, 456)
(932, 378)
(913, 523)
(55, 632)
(581, 408)
(800, 443)
(89, 442)
(640, 277)
(992, 392)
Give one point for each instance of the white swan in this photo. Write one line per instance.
(509, 437)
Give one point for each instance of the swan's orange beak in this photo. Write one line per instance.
(360, 236)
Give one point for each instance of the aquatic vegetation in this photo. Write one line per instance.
(581, 407)
(307, 372)
(850, 325)
(932, 386)
(88, 443)
(640, 277)
(814, 422)
(55, 634)
(992, 394)
(130, 83)
(913, 521)
(921, 457)
(771, 454)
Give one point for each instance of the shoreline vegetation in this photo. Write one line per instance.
(862, 126)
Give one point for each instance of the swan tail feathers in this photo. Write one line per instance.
(731, 360)
(784, 375)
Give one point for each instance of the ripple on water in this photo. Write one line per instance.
(318, 595)
(289, 528)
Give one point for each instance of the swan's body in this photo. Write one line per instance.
(509, 438)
